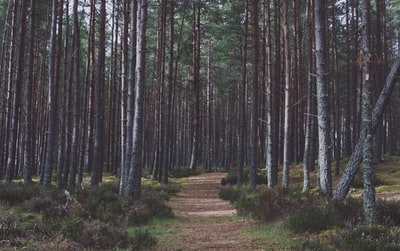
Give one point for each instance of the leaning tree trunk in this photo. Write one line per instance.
(342, 188)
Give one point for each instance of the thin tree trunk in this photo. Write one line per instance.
(196, 83)
(242, 101)
(28, 149)
(254, 96)
(286, 125)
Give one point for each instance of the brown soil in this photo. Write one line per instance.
(206, 222)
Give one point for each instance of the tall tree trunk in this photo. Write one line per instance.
(254, 96)
(98, 151)
(51, 106)
(133, 187)
(324, 156)
(242, 100)
(76, 101)
(369, 189)
(286, 125)
(28, 149)
(308, 160)
(125, 83)
(196, 84)
(168, 135)
(273, 91)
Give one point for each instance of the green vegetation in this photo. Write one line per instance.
(304, 221)
(90, 218)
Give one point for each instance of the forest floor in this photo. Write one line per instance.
(205, 222)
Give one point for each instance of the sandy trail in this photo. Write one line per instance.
(206, 222)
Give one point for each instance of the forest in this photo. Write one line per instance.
(131, 89)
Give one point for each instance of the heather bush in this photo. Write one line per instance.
(388, 212)
(367, 238)
(17, 193)
(258, 204)
(102, 236)
(229, 193)
(310, 220)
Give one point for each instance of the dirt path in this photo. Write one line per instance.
(206, 222)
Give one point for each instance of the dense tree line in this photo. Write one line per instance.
(116, 86)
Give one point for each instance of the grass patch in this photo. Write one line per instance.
(276, 235)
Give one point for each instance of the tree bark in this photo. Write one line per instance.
(242, 101)
(133, 187)
(286, 125)
(52, 112)
(369, 189)
(98, 151)
(76, 101)
(254, 96)
(324, 158)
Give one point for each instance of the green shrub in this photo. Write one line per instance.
(39, 204)
(9, 227)
(349, 212)
(100, 235)
(156, 204)
(311, 243)
(367, 238)
(16, 193)
(72, 227)
(388, 212)
(229, 193)
(258, 204)
(138, 214)
(142, 239)
(311, 220)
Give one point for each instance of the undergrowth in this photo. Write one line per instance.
(316, 224)
(93, 218)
